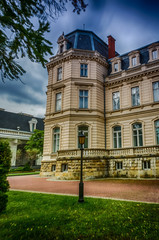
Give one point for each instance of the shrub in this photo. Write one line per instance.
(5, 160)
(27, 167)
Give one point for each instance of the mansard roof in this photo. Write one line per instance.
(86, 40)
(144, 56)
(10, 120)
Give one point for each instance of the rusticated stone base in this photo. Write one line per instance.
(99, 167)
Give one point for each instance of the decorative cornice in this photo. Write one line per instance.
(83, 84)
(137, 76)
(77, 54)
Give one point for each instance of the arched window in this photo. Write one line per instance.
(157, 131)
(84, 130)
(117, 137)
(137, 135)
(56, 139)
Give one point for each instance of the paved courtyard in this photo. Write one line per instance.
(137, 190)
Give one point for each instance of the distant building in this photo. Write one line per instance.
(17, 128)
(112, 98)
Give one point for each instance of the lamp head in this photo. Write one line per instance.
(81, 138)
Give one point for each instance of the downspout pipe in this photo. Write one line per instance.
(104, 111)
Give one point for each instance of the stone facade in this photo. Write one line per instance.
(115, 102)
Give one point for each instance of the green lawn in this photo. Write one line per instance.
(43, 216)
(22, 173)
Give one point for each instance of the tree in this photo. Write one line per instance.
(5, 160)
(23, 24)
(34, 146)
(36, 141)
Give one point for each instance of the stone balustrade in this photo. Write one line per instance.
(91, 152)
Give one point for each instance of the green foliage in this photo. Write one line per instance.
(5, 159)
(42, 216)
(21, 36)
(35, 143)
(22, 169)
(27, 167)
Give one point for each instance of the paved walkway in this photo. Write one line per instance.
(127, 189)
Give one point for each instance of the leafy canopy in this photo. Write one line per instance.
(36, 141)
(23, 24)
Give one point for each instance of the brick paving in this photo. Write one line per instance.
(128, 189)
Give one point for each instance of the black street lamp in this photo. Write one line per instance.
(81, 139)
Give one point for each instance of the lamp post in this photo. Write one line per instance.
(81, 138)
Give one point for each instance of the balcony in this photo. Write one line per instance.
(123, 152)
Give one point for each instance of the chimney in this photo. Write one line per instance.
(111, 47)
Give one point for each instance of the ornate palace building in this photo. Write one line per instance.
(112, 98)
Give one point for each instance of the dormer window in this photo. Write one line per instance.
(62, 44)
(154, 54)
(33, 124)
(116, 64)
(116, 67)
(134, 59)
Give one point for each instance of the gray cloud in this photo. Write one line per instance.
(132, 23)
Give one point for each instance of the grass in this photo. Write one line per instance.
(23, 173)
(32, 216)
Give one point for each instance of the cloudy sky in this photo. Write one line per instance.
(132, 23)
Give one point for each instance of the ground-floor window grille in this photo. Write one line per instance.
(53, 168)
(146, 165)
(64, 167)
(119, 165)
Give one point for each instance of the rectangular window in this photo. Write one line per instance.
(58, 102)
(59, 74)
(116, 100)
(137, 135)
(154, 54)
(146, 165)
(135, 96)
(64, 167)
(53, 168)
(117, 137)
(134, 61)
(119, 165)
(157, 131)
(156, 91)
(84, 70)
(83, 99)
(56, 139)
(116, 67)
(84, 130)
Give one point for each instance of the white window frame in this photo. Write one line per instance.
(157, 131)
(155, 91)
(59, 74)
(83, 70)
(118, 137)
(136, 95)
(146, 164)
(114, 97)
(58, 101)
(116, 67)
(83, 97)
(154, 54)
(64, 167)
(53, 168)
(119, 165)
(86, 133)
(134, 61)
(56, 139)
(137, 135)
